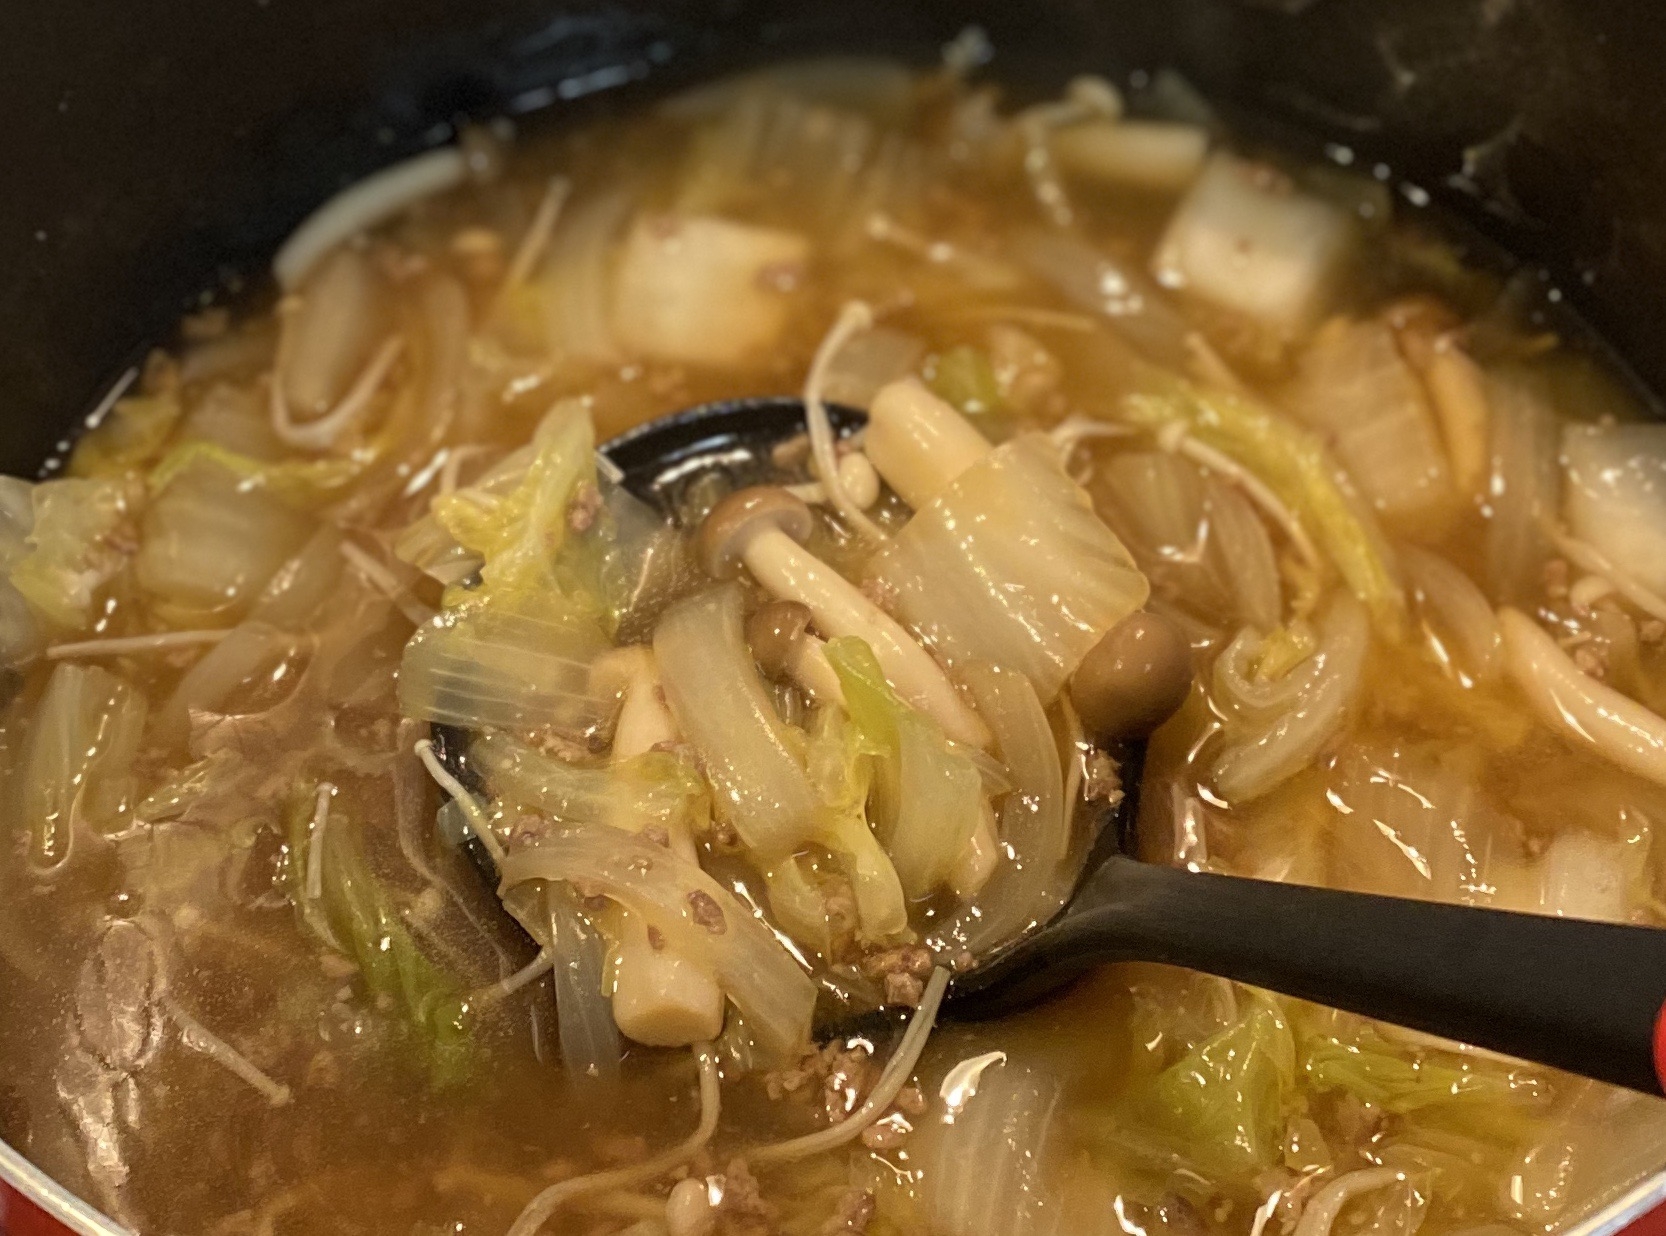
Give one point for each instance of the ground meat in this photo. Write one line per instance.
(563, 747)
(851, 1215)
(911, 959)
(841, 1074)
(742, 1199)
(887, 1134)
(901, 971)
(904, 990)
(706, 912)
(839, 900)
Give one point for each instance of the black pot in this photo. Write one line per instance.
(157, 153)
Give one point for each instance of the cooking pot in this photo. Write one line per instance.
(155, 155)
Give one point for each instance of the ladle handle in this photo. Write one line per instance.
(1582, 996)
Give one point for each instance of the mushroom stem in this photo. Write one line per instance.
(808, 666)
(784, 569)
(660, 998)
(918, 443)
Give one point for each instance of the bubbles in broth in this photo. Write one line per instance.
(337, 606)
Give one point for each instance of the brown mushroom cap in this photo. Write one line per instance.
(773, 631)
(741, 516)
(1133, 679)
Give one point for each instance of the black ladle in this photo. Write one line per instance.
(1582, 996)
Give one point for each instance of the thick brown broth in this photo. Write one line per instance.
(162, 958)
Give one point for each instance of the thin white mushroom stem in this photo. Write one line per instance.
(361, 206)
(891, 1081)
(856, 474)
(1175, 438)
(321, 433)
(785, 569)
(1588, 558)
(491, 993)
(1321, 1212)
(537, 239)
(543, 1207)
(130, 645)
(385, 582)
(853, 319)
(199, 1038)
(477, 821)
(1086, 98)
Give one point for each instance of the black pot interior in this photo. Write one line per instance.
(158, 154)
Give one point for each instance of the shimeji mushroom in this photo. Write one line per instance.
(782, 643)
(1005, 561)
(762, 530)
(660, 998)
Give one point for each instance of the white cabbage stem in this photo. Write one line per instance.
(784, 569)
(1589, 713)
(660, 997)
(918, 442)
(978, 861)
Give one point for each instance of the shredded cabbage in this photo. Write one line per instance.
(1615, 495)
(749, 755)
(927, 797)
(355, 914)
(1296, 466)
(305, 483)
(498, 665)
(985, 1158)
(1484, 1098)
(1275, 728)
(517, 651)
(76, 779)
(1197, 539)
(1219, 1109)
(1010, 565)
(1354, 388)
(839, 762)
(211, 543)
(78, 541)
(129, 438)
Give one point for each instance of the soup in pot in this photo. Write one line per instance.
(412, 829)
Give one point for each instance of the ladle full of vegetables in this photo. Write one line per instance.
(1063, 607)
